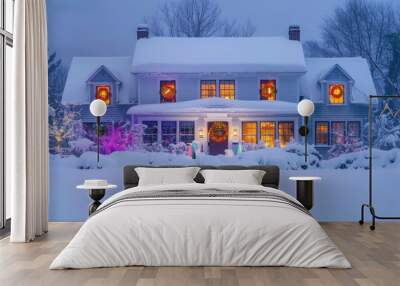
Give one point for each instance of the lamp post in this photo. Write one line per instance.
(305, 108)
(98, 108)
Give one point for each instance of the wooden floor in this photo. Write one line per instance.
(375, 257)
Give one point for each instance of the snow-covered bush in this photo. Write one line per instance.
(355, 160)
(348, 147)
(80, 146)
(153, 147)
(115, 140)
(359, 160)
(122, 137)
(179, 148)
(137, 132)
(251, 146)
(313, 159)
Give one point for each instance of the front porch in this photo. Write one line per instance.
(217, 125)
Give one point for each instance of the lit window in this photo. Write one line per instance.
(321, 133)
(186, 131)
(208, 88)
(249, 132)
(336, 93)
(150, 132)
(286, 133)
(167, 91)
(338, 132)
(268, 90)
(103, 92)
(353, 131)
(227, 89)
(168, 132)
(267, 133)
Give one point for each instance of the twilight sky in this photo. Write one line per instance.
(108, 27)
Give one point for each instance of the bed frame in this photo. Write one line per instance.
(271, 177)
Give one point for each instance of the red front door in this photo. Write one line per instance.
(218, 134)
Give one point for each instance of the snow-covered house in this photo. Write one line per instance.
(220, 91)
(108, 78)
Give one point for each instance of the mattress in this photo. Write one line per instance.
(201, 225)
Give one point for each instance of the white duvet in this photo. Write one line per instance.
(200, 231)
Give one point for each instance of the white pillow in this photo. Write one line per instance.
(248, 177)
(166, 176)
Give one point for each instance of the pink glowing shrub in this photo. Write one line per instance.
(115, 140)
(122, 137)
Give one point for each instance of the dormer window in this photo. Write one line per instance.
(103, 92)
(268, 90)
(104, 85)
(167, 91)
(336, 93)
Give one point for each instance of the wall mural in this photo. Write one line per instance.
(186, 100)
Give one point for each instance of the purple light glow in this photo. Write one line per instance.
(117, 139)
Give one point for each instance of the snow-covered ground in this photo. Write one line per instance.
(337, 197)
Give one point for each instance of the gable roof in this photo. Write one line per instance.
(356, 68)
(77, 90)
(340, 69)
(102, 68)
(204, 55)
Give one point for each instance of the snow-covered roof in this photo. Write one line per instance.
(356, 68)
(77, 90)
(192, 55)
(217, 105)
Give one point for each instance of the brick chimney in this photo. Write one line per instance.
(142, 31)
(294, 33)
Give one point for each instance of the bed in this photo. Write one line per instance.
(198, 224)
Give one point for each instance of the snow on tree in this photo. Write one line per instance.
(57, 74)
(360, 28)
(386, 128)
(392, 84)
(196, 18)
(66, 126)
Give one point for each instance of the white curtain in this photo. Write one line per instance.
(27, 128)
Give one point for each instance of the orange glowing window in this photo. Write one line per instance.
(167, 91)
(227, 89)
(103, 92)
(336, 93)
(286, 132)
(249, 132)
(268, 90)
(208, 88)
(321, 133)
(267, 133)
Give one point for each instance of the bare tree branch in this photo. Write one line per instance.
(195, 18)
(360, 28)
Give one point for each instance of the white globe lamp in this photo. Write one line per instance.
(305, 108)
(98, 108)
